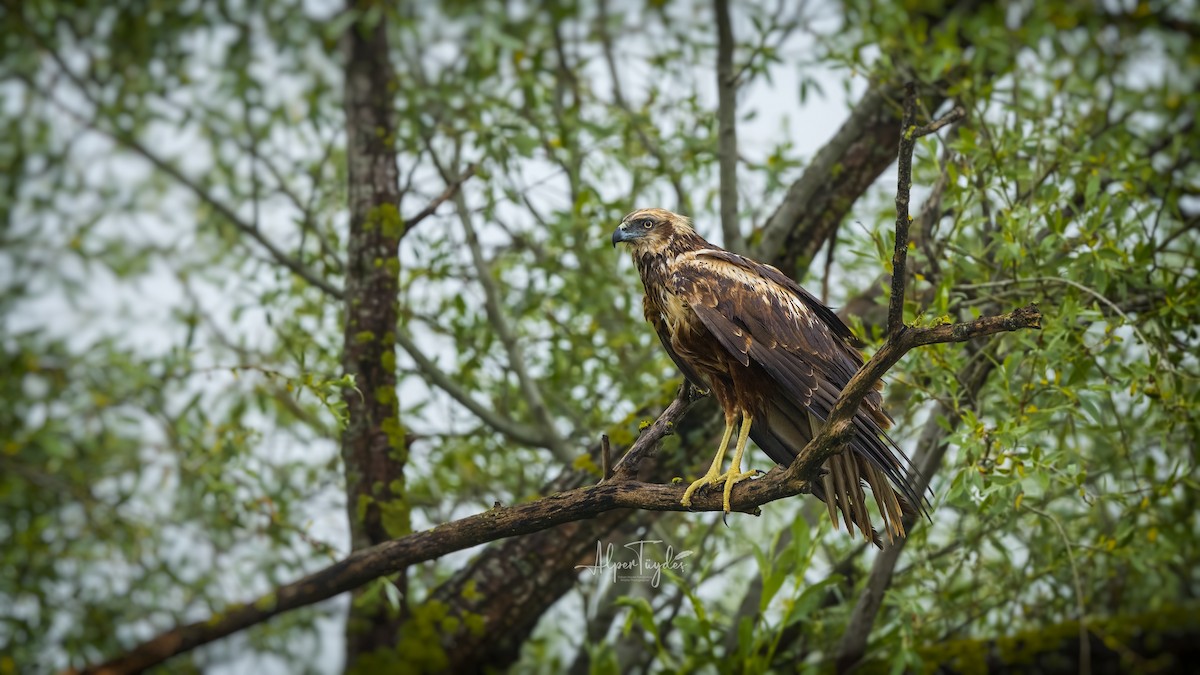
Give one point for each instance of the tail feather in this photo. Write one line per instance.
(785, 429)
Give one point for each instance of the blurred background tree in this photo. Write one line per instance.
(280, 280)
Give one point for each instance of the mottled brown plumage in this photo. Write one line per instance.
(772, 355)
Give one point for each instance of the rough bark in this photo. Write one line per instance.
(373, 449)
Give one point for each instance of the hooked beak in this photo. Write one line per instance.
(622, 233)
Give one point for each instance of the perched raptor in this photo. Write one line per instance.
(775, 358)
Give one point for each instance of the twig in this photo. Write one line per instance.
(506, 427)
(516, 356)
(956, 113)
(931, 447)
(667, 167)
(727, 129)
(807, 465)
(909, 133)
(605, 458)
(627, 466)
(833, 236)
(551, 439)
(450, 191)
(1165, 362)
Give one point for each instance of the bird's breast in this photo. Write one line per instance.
(679, 317)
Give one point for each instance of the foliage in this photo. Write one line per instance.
(173, 209)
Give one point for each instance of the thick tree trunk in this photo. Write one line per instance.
(373, 448)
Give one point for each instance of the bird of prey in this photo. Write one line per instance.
(774, 357)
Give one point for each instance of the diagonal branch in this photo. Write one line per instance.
(931, 448)
(436, 376)
(667, 167)
(451, 190)
(516, 356)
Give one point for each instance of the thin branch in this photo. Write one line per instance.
(516, 356)
(956, 113)
(451, 190)
(807, 465)
(548, 434)
(784, 30)
(626, 468)
(931, 448)
(667, 167)
(727, 129)
(1125, 318)
(605, 457)
(909, 133)
(826, 273)
(1085, 647)
(438, 378)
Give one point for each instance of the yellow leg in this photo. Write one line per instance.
(735, 473)
(714, 471)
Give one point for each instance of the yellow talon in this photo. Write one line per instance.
(713, 474)
(731, 477)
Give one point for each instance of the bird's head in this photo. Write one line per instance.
(652, 230)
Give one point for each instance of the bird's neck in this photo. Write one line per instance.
(653, 266)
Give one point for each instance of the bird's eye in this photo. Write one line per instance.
(647, 223)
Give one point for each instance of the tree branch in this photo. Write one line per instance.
(668, 168)
(451, 190)
(505, 426)
(580, 503)
(931, 448)
(909, 133)
(516, 356)
(727, 129)
(807, 465)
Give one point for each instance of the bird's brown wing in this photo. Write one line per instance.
(757, 313)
